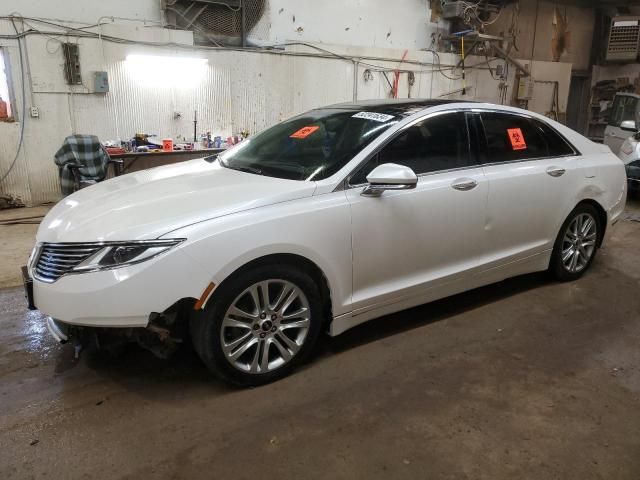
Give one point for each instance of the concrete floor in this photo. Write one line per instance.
(18, 228)
(523, 379)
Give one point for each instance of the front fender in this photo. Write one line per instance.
(317, 228)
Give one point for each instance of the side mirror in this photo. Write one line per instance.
(389, 176)
(629, 126)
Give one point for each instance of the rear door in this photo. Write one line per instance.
(625, 107)
(532, 174)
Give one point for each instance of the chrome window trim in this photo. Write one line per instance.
(427, 174)
(521, 160)
(575, 153)
(345, 185)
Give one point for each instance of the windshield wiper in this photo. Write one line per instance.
(212, 158)
(245, 169)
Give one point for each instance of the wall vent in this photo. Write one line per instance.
(624, 39)
(214, 21)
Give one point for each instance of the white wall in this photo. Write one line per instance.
(612, 72)
(83, 11)
(237, 90)
(397, 24)
(535, 30)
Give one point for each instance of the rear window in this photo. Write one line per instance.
(511, 137)
(558, 146)
(514, 137)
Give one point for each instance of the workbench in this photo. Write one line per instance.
(133, 161)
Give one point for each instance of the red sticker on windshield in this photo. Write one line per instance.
(304, 132)
(517, 139)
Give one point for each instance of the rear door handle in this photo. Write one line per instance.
(464, 184)
(555, 171)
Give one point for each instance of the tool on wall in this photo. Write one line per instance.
(553, 113)
(464, 78)
(396, 77)
(462, 34)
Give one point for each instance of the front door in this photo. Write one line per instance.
(405, 242)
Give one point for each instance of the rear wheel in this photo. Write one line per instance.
(260, 326)
(577, 243)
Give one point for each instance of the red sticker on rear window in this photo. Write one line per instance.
(517, 139)
(304, 132)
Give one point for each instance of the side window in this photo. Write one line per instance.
(511, 137)
(437, 143)
(558, 146)
(624, 108)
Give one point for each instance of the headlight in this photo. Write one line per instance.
(120, 254)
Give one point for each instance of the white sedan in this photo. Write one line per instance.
(322, 222)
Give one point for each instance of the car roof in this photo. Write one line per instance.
(393, 106)
(627, 94)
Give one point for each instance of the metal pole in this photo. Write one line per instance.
(355, 80)
(195, 126)
(243, 24)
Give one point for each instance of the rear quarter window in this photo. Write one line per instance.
(511, 137)
(558, 146)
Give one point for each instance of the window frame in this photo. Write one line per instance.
(472, 149)
(9, 78)
(483, 146)
(618, 99)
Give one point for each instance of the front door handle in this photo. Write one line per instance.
(464, 184)
(555, 171)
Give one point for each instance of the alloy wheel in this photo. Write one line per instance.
(265, 326)
(579, 242)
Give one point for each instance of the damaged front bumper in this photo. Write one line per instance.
(163, 334)
(58, 330)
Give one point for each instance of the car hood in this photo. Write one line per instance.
(150, 203)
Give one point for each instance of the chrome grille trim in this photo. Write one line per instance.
(54, 260)
(57, 259)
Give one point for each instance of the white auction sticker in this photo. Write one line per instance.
(377, 117)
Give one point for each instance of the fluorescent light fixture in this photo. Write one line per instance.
(166, 71)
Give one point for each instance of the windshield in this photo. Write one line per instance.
(311, 146)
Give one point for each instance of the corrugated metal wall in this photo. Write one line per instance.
(239, 90)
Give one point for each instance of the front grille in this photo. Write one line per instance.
(56, 259)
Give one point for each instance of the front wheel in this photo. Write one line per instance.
(260, 326)
(577, 243)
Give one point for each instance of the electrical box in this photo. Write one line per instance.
(525, 88)
(452, 9)
(624, 39)
(100, 82)
(71, 53)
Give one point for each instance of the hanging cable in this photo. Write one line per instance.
(24, 105)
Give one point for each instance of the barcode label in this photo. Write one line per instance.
(377, 117)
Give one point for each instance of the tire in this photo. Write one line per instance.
(232, 320)
(572, 255)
